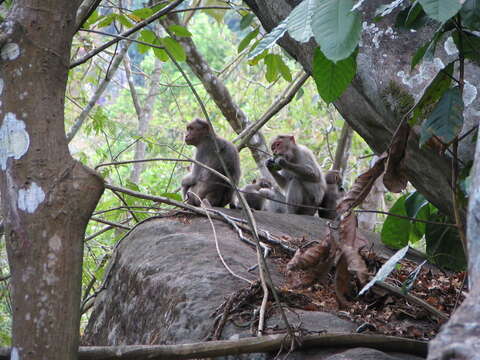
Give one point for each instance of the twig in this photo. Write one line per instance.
(140, 161)
(397, 291)
(216, 243)
(405, 217)
(128, 32)
(109, 223)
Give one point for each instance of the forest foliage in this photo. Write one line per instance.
(256, 71)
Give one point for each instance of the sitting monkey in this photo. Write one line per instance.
(296, 171)
(201, 183)
(251, 193)
(332, 195)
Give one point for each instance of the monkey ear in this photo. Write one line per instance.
(292, 139)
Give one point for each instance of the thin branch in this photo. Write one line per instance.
(101, 88)
(405, 217)
(263, 344)
(120, 226)
(285, 99)
(397, 291)
(128, 32)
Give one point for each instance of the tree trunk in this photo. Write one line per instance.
(383, 73)
(222, 97)
(342, 152)
(458, 339)
(47, 196)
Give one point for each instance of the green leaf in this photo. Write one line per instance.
(122, 19)
(143, 13)
(470, 44)
(395, 230)
(299, 22)
(246, 20)
(432, 93)
(217, 14)
(416, 17)
(91, 20)
(283, 68)
(106, 21)
(173, 196)
(269, 40)
(336, 28)
(441, 10)
(272, 72)
(444, 246)
(414, 203)
(332, 78)
(179, 30)
(427, 51)
(446, 119)
(386, 269)
(247, 39)
(174, 48)
(470, 13)
(147, 36)
(160, 53)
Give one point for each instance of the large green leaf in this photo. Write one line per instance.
(432, 93)
(179, 30)
(283, 68)
(336, 28)
(272, 72)
(446, 119)
(147, 36)
(395, 230)
(174, 48)
(299, 22)
(270, 39)
(246, 20)
(470, 44)
(441, 10)
(427, 51)
(414, 202)
(413, 17)
(471, 14)
(332, 78)
(444, 246)
(217, 14)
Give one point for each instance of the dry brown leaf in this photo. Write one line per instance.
(362, 186)
(310, 257)
(343, 285)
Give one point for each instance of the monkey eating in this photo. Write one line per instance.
(201, 183)
(296, 171)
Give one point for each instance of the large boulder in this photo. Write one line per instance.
(166, 280)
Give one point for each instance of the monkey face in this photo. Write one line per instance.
(283, 145)
(197, 131)
(264, 183)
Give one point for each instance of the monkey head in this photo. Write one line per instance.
(283, 146)
(262, 183)
(197, 131)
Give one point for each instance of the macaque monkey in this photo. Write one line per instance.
(332, 195)
(296, 171)
(275, 200)
(201, 183)
(251, 193)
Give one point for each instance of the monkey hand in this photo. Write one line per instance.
(280, 162)
(272, 164)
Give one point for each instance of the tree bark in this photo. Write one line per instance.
(47, 196)
(459, 338)
(342, 152)
(221, 96)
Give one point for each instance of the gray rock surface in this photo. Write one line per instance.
(166, 279)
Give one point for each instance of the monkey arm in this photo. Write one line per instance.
(187, 182)
(305, 172)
